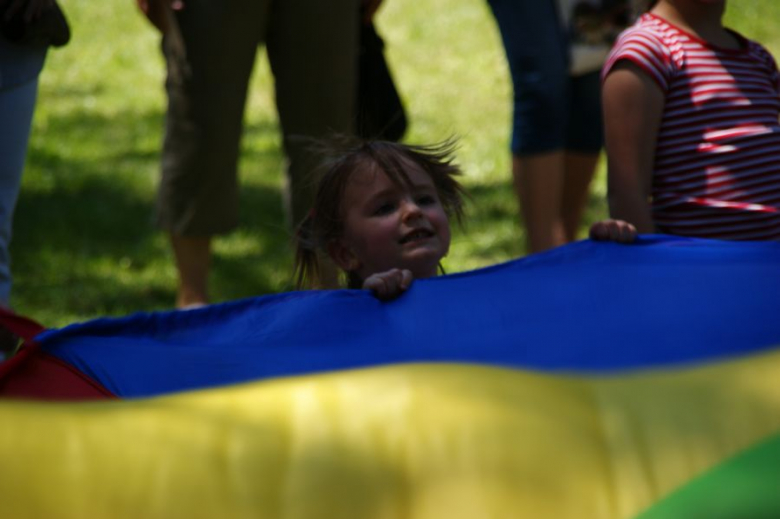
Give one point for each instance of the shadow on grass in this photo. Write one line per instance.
(84, 241)
(266, 264)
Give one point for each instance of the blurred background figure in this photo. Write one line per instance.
(27, 29)
(380, 111)
(210, 48)
(555, 50)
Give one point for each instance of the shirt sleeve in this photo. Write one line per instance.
(646, 50)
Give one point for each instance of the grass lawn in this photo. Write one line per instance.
(85, 245)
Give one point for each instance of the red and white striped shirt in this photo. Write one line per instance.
(717, 159)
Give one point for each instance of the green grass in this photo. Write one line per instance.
(85, 245)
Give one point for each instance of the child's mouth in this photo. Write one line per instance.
(419, 234)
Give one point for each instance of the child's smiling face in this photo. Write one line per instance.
(387, 225)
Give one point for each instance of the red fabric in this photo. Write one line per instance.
(33, 374)
(21, 326)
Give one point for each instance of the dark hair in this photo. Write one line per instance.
(342, 158)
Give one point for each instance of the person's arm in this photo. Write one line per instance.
(390, 284)
(633, 106)
(156, 11)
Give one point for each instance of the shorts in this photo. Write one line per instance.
(552, 109)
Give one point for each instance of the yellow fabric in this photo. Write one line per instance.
(407, 441)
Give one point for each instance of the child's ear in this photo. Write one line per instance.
(343, 256)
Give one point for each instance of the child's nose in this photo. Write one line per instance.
(412, 211)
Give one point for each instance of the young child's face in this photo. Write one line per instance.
(389, 226)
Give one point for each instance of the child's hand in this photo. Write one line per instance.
(613, 230)
(390, 284)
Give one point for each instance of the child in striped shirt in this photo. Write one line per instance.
(691, 120)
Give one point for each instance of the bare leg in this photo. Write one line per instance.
(193, 260)
(580, 168)
(538, 181)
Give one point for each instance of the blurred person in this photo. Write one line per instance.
(27, 29)
(209, 48)
(557, 128)
(691, 116)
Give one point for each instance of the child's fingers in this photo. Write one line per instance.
(382, 285)
(597, 231)
(613, 230)
(374, 284)
(393, 283)
(390, 284)
(629, 233)
(600, 231)
(406, 279)
(624, 232)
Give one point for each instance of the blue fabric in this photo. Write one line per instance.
(552, 110)
(587, 307)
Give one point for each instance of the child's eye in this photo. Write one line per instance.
(384, 209)
(426, 200)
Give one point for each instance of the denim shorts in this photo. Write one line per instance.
(552, 109)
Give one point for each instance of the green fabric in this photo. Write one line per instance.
(745, 486)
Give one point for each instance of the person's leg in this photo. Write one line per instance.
(579, 171)
(312, 50)
(538, 182)
(209, 53)
(583, 145)
(193, 261)
(17, 105)
(537, 56)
